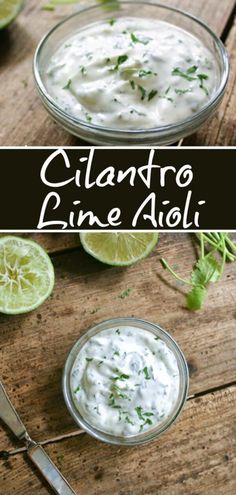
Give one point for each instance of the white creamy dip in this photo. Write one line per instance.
(125, 380)
(131, 73)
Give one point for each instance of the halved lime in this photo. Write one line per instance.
(26, 275)
(9, 9)
(120, 249)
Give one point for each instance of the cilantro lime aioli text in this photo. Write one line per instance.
(131, 73)
(125, 380)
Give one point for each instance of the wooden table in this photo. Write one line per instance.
(24, 121)
(197, 456)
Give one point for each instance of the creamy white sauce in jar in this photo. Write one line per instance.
(132, 73)
(125, 381)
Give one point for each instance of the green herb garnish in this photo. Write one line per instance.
(125, 294)
(145, 73)
(132, 84)
(146, 373)
(89, 359)
(77, 389)
(119, 392)
(185, 74)
(135, 39)
(146, 422)
(142, 91)
(144, 416)
(112, 21)
(88, 117)
(182, 91)
(208, 268)
(120, 60)
(128, 420)
(121, 377)
(68, 84)
(83, 70)
(118, 331)
(202, 78)
(141, 114)
(152, 93)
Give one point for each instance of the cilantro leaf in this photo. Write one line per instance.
(207, 270)
(195, 298)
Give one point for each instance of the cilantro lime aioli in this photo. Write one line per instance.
(131, 73)
(125, 380)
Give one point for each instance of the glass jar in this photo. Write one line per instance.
(156, 430)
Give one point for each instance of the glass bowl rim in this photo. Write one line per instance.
(172, 128)
(150, 434)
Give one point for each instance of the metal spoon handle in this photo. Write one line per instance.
(9, 415)
(36, 453)
(50, 472)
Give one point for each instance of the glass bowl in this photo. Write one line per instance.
(99, 135)
(149, 434)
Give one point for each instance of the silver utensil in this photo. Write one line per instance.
(35, 451)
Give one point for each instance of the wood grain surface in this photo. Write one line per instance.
(34, 347)
(24, 121)
(197, 456)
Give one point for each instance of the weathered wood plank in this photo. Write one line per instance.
(196, 456)
(53, 243)
(221, 129)
(30, 125)
(34, 347)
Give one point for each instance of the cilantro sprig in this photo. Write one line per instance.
(207, 268)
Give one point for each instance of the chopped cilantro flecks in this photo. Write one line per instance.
(88, 117)
(203, 77)
(121, 377)
(146, 422)
(135, 39)
(77, 389)
(132, 84)
(118, 331)
(120, 60)
(142, 414)
(182, 91)
(125, 294)
(89, 359)
(191, 75)
(152, 94)
(68, 84)
(119, 392)
(145, 73)
(141, 114)
(112, 21)
(185, 74)
(128, 420)
(146, 373)
(83, 70)
(142, 91)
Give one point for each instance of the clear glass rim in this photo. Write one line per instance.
(134, 133)
(148, 435)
